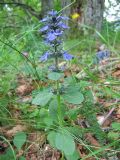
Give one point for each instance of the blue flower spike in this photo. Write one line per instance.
(53, 29)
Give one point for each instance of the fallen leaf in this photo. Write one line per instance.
(92, 140)
(24, 89)
(116, 74)
(14, 130)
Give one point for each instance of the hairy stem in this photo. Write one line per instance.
(59, 105)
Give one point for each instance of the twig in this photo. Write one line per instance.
(107, 116)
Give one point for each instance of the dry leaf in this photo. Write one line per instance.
(92, 140)
(14, 130)
(24, 89)
(116, 74)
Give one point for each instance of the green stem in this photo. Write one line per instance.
(59, 105)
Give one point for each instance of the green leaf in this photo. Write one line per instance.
(42, 98)
(19, 139)
(73, 88)
(53, 109)
(116, 126)
(51, 138)
(43, 113)
(48, 121)
(55, 76)
(74, 156)
(65, 143)
(84, 84)
(74, 97)
(8, 155)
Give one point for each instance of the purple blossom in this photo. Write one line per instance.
(101, 55)
(51, 36)
(52, 13)
(62, 25)
(45, 28)
(53, 30)
(44, 57)
(67, 56)
(53, 26)
(58, 32)
(52, 68)
(44, 19)
(61, 68)
(64, 18)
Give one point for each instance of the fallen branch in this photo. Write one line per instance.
(107, 116)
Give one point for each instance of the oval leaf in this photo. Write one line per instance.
(74, 97)
(65, 143)
(51, 138)
(42, 98)
(74, 156)
(55, 76)
(19, 139)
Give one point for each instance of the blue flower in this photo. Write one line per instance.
(64, 18)
(67, 56)
(52, 13)
(51, 36)
(61, 68)
(58, 32)
(52, 68)
(45, 28)
(101, 55)
(59, 18)
(63, 25)
(45, 57)
(44, 19)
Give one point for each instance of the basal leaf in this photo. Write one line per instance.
(74, 156)
(55, 76)
(65, 143)
(42, 98)
(51, 138)
(19, 139)
(74, 97)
